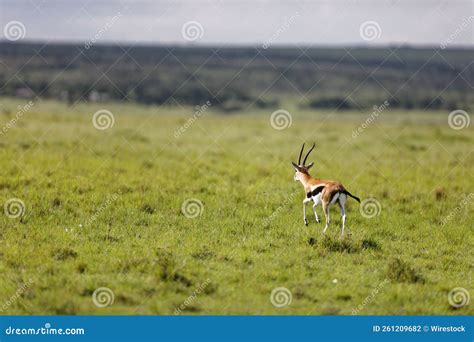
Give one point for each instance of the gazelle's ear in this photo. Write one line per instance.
(295, 166)
(310, 165)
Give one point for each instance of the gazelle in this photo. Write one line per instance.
(320, 191)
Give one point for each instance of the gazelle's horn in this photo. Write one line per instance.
(307, 154)
(301, 153)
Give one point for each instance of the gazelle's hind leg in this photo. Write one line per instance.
(326, 214)
(342, 205)
(316, 200)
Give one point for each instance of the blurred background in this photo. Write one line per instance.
(240, 54)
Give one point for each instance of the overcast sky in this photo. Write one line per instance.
(225, 22)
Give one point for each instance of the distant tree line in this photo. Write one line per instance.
(240, 78)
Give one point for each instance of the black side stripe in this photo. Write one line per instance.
(315, 191)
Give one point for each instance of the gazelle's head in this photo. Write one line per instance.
(301, 168)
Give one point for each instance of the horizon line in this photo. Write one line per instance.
(108, 43)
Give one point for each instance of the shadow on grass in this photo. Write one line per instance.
(344, 245)
(402, 272)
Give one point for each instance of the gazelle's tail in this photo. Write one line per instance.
(351, 195)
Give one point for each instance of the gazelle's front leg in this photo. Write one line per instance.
(306, 200)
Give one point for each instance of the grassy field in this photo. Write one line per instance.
(104, 208)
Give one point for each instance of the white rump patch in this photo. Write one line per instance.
(334, 199)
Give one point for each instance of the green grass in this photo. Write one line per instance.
(103, 209)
